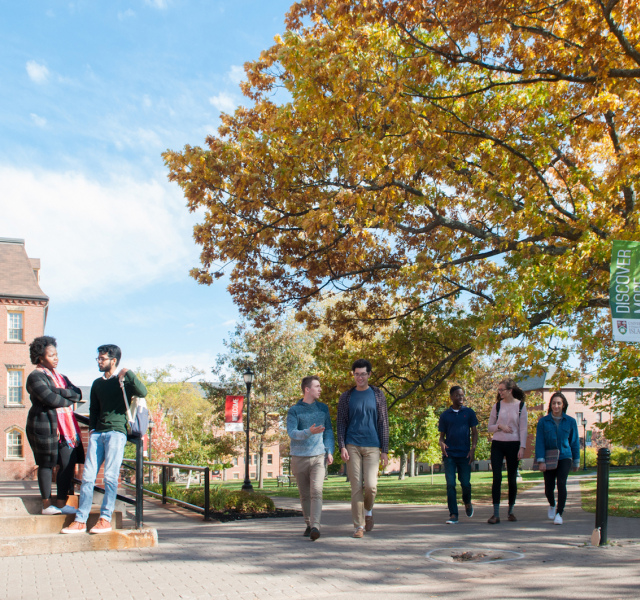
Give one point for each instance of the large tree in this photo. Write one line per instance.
(456, 169)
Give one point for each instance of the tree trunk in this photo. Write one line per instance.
(431, 474)
(403, 465)
(412, 463)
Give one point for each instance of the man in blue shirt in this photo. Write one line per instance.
(309, 427)
(363, 439)
(457, 424)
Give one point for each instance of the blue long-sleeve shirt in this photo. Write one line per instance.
(564, 437)
(300, 418)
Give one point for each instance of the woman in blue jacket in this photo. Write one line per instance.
(557, 431)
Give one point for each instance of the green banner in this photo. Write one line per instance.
(624, 291)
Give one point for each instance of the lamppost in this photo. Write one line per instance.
(248, 379)
(584, 427)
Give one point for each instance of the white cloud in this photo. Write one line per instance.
(236, 74)
(181, 361)
(146, 101)
(127, 14)
(37, 73)
(97, 238)
(39, 121)
(223, 102)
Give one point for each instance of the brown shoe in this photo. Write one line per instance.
(368, 523)
(75, 527)
(359, 533)
(314, 534)
(511, 517)
(102, 526)
(493, 520)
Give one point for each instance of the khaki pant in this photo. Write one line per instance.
(362, 468)
(309, 472)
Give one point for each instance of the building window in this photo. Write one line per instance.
(269, 459)
(14, 387)
(589, 432)
(579, 419)
(234, 461)
(236, 476)
(579, 396)
(16, 328)
(14, 444)
(269, 474)
(599, 417)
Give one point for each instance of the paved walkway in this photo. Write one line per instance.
(269, 559)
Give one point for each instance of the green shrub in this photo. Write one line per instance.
(217, 497)
(249, 502)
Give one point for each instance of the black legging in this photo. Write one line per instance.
(560, 474)
(499, 451)
(67, 464)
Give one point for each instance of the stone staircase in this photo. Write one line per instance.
(25, 531)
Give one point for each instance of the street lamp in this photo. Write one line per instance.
(584, 427)
(248, 379)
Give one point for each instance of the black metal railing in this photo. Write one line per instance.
(206, 511)
(138, 502)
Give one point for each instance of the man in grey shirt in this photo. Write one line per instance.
(309, 427)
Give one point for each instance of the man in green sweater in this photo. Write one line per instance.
(107, 437)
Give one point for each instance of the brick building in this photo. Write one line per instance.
(23, 313)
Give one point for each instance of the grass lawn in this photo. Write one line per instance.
(624, 493)
(412, 490)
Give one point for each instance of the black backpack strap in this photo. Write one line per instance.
(521, 407)
(497, 408)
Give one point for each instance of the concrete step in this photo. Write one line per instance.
(55, 543)
(19, 524)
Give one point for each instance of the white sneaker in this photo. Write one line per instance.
(51, 510)
(557, 520)
(551, 513)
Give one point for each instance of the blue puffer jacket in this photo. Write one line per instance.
(565, 437)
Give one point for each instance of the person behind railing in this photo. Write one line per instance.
(52, 430)
(107, 437)
(557, 450)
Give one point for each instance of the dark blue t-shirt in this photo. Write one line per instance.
(456, 426)
(363, 419)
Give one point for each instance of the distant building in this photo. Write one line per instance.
(23, 314)
(579, 397)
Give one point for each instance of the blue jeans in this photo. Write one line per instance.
(107, 447)
(453, 464)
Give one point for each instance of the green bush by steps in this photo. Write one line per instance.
(220, 499)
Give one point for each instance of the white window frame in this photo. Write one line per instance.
(11, 329)
(11, 444)
(13, 389)
(269, 459)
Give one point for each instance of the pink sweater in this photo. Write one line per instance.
(509, 416)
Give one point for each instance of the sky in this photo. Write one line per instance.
(93, 93)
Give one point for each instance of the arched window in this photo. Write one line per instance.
(15, 443)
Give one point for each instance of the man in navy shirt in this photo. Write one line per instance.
(458, 424)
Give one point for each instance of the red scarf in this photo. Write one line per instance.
(68, 429)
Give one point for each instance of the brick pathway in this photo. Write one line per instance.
(270, 559)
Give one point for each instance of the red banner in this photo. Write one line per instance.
(233, 413)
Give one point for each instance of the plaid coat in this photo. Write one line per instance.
(42, 420)
(342, 421)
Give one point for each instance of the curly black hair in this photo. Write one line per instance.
(38, 347)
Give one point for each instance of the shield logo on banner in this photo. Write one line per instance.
(622, 327)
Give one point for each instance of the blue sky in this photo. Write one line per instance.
(93, 93)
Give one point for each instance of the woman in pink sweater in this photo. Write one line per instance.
(508, 424)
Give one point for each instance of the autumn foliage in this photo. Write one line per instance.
(452, 173)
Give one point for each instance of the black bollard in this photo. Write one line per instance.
(602, 493)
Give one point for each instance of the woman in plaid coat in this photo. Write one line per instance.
(52, 429)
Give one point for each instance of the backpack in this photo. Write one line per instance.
(137, 415)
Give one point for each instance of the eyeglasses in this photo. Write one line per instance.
(502, 390)
(103, 359)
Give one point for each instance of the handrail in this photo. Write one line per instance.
(138, 502)
(165, 466)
